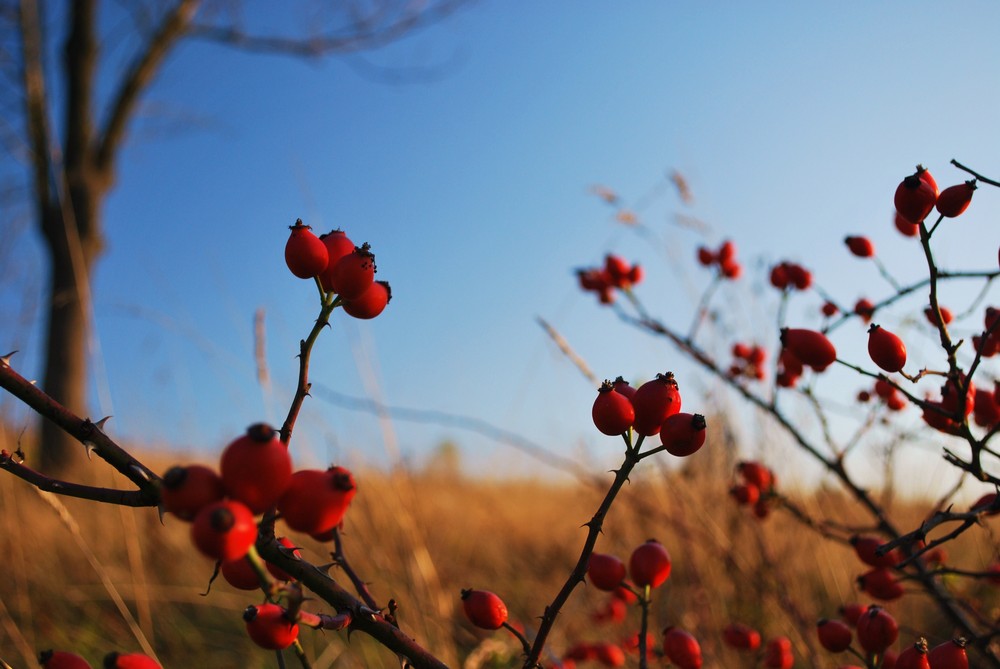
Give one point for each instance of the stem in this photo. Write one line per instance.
(579, 571)
(305, 351)
(644, 628)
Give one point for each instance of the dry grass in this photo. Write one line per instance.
(421, 537)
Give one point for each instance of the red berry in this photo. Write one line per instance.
(618, 269)
(949, 655)
(256, 468)
(705, 256)
(129, 661)
(914, 198)
(609, 654)
(799, 276)
(726, 252)
(932, 318)
(877, 630)
(224, 530)
(905, 227)
(612, 412)
(61, 659)
(269, 626)
(622, 387)
(681, 648)
(834, 635)
(315, 500)
(653, 402)
(745, 493)
(371, 303)
(866, 547)
(354, 273)
(757, 474)
(305, 255)
(649, 564)
(809, 346)
(865, 309)
(829, 309)
(881, 584)
(778, 653)
(886, 349)
(740, 636)
(955, 199)
(484, 609)
(606, 572)
(187, 489)
(240, 574)
(683, 434)
(779, 276)
(337, 246)
(914, 657)
(862, 247)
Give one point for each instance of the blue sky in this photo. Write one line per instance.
(793, 123)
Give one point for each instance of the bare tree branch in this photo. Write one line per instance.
(137, 79)
(36, 107)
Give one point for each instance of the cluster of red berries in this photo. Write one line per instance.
(615, 274)
(949, 413)
(917, 195)
(801, 348)
(888, 393)
(754, 487)
(876, 631)
(61, 659)
(256, 475)
(724, 258)
(986, 407)
(787, 275)
(777, 652)
(748, 361)
(652, 408)
(340, 267)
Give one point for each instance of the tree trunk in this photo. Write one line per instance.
(74, 242)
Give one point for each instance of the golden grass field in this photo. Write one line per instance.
(421, 536)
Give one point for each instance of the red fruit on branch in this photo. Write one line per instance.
(877, 630)
(865, 309)
(778, 654)
(932, 317)
(954, 200)
(905, 227)
(187, 489)
(705, 256)
(224, 530)
(741, 637)
(371, 303)
(866, 546)
(757, 474)
(256, 468)
(681, 648)
(305, 254)
(811, 347)
(834, 635)
(606, 572)
(649, 564)
(612, 412)
(354, 273)
(886, 349)
(862, 247)
(915, 197)
(881, 584)
(914, 657)
(240, 574)
(130, 661)
(61, 659)
(653, 402)
(609, 654)
(683, 434)
(745, 493)
(949, 655)
(269, 626)
(484, 609)
(337, 245)
(317, 500)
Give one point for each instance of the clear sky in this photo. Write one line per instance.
(470, 176)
